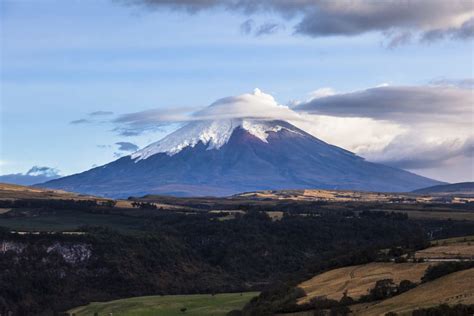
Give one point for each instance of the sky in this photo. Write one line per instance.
(85, 82)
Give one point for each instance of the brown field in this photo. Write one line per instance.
(357, 280)
(332, 195)
(14, 192)
(352, 196)
(455, 288)
(459, 250)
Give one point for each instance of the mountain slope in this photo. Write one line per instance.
(209, 158)
(447, 189)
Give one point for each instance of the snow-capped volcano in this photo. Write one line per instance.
(238, 144)
(214, 134)
(253, 112)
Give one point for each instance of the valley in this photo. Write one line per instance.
(94, 249)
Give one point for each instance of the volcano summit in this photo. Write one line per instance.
(226, 150)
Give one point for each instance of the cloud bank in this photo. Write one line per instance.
(433, 122)
(398, 20)
(400, 104)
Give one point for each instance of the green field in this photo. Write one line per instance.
(169, 305)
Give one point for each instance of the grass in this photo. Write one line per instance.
(452, 289)
(450, 248)
(357, 280)
(453, 240)
(169, 305)
(458, 250)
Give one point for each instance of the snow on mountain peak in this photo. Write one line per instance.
(214, 134)
(254, 112)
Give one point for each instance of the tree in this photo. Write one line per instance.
(405, 285)
(383, 289)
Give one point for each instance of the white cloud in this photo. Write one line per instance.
(42, 171)
(414, 128)
(256, 105)
(321, 93)
(359, 135)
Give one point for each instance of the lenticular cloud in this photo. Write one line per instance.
(256, 105)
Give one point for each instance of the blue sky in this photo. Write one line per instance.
(62, 60)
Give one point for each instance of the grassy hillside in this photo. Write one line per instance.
(460, 250)
(455, 288)
(357, 280)
(453, 240)
(13, 191)
(169, 305)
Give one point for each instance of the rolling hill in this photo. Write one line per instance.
(454, 288)
(14, 191)
(357, 280)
